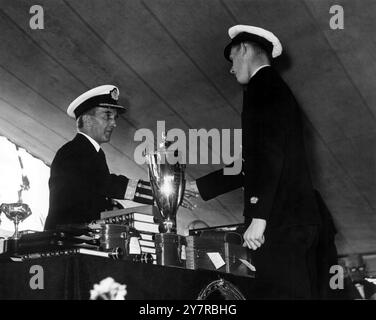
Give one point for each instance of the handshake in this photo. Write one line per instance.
(191, 192)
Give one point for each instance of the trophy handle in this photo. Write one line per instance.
(182, 189)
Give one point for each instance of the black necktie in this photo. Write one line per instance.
(102, 158)
(101, 154)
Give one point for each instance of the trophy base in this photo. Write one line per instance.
(170, 249)
(167, 226)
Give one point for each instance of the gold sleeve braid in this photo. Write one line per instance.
(131, 189)
(144, 193)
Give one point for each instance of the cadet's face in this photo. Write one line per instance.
(239, 64)
(102, 125)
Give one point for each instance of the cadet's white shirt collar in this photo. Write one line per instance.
(93, 142)
(258, 69)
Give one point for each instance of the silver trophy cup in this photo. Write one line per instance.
(167, 179)
(17, 212)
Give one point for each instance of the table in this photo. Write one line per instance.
(72, 278)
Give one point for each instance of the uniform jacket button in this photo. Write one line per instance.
(254, 200)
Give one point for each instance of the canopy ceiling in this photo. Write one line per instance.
(166, 56)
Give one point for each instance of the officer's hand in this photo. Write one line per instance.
(254, 235)
(187, 204)
(191, 191)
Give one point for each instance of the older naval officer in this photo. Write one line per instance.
(81, 184)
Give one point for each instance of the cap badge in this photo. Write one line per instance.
(114, 94)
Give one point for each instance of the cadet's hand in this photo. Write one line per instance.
(254, 235)
(187, 204)
(191, 191)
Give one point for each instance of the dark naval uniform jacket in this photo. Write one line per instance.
(81, 184)
(277, 187)
(275, 175)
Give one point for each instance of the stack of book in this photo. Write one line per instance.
(143, 218)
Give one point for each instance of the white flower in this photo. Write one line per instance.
(108, 289)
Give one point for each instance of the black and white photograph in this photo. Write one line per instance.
(188, 150)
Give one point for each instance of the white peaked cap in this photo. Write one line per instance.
(267, 39)
(105, 96)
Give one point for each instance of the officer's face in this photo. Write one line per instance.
(239, 68)
(102, 124)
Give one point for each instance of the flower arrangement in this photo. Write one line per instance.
(108, 289)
